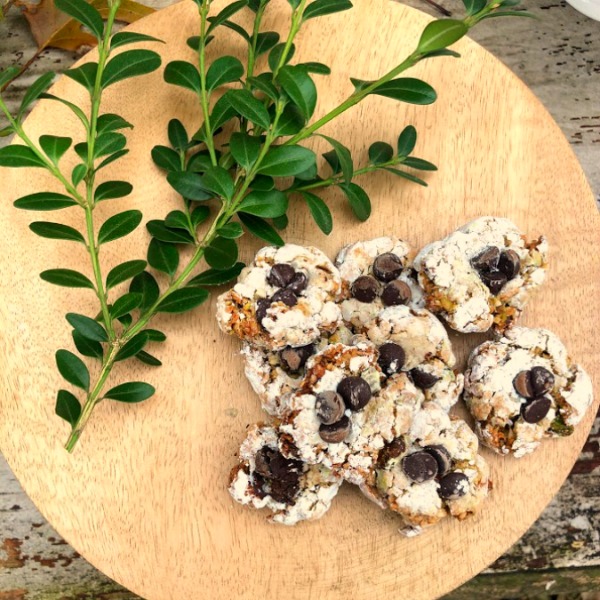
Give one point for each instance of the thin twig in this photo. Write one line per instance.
(23, 68)
(439, 8)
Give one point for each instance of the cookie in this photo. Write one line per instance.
(481, 276)
(433, 472)
(275, 375)
(287, 297)
(293, 491)
(428, 357)
(376, 273)
(524, 388)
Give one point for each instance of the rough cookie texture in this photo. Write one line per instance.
(502, 413)
(356, 260)
(277, 312)
(291, 490)
(455, 289)
(433, 472)
(427, 349)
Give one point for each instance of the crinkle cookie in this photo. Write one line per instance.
(291, 490)
(433, 472)
(523, 388)
(287, 297)
(414, 340)
(375, 274)
(275, 375)
(482, 274)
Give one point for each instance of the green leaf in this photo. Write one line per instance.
(160, 231)
(178, 137)
(291, 121)
(199, 215)
(67, 407)
(474, 6)
(155, 336)
(407, 141)
(111, 122)
(163, 257)
(344, 158)
(124, 271)
(320, 212)
(134, 391)
(249, 107)
(320, 8)
(262, 183)
(166, 158)
(419, 163)
(8, 74)
(132, 347)
(358, 200)
(183, 300)
(311, 174)
(19, 156)
(443, 52)
(79, 172)
(87, 327)
(73, 369)
(199, 162)
(148, 359)
(130, 37)
(119, 225)
(66, 278)
(509, 13)
(276, 54)
(125, 320)
(183, 74)
(84, 13)
(406, 175)
(380, 152)
(404, 89)
(145, 284)
(189, 185)
(84, 75)
(87, 347)
(299, 86)
(221, 113)
(227, 12)
(125, 304)
(110, 159)
(177, 219)
(333, 161)
(219, 181)
(73, 107)
(38, 87)
(225, 69)
(54, 146)
(284, 161)
(6, 131)
(110, 190)
(193, 42)
(244, 148)
(108, 143)
(56, 231)
(261, 229)
(441, 34)
(265, 204)
(130, 63)
(265, 41)
(212, 277)
(280, 222)
(44, 201)
(231, 230)
(264, 83)
(222, 253)
(316, 67)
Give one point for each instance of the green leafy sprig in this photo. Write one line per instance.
(237, 174)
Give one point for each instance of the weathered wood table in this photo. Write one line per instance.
(558, 56)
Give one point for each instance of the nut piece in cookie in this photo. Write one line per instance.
(432, 472)
(290, 489)
(523, 388)
(287, 297)
(376, 273)
(481, 275)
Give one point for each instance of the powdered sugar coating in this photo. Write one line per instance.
(495, 404)
(453, 287)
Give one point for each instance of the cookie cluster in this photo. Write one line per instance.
(357, 372)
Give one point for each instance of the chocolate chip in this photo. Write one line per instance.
(509, 264)
(298, 283)
(442, 457)
(419, 466)
(494, 280)
(423, 379)
(536, 410)
(522, 384)
(486, 260)
(396, 293)
(453, 486)
(396, 448)
(293, 359)
(337, 432)
(286, 296)
(364, 288)
(284, 490)
(355, 391)
(330, 407)
(281, 275)
(272, 464)
(262, 304)
(391, 358)
(542, 381)
(387, 266)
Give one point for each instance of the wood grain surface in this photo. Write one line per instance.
(144, 497)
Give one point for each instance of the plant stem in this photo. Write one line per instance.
(252, 46)
(295, 27)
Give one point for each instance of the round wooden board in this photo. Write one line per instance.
(144, 496)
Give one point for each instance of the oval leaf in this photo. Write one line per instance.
(134, 391)
(261, 229)
(84, 75)
(407, 141)
(285, 161)
(130, 64)
(222, 253)
(245, 104)
(148, 359)
(130, 37)
(158, 230)
(265, 204)
(344, 158)
(441, 34)
(244, 148)
(183, 74)
(145, 284)
(231, 231)
(178, 137)
(219, 181)
(56, 231)
(358, 200)
(298, 85)
(125, 304)
(87, 347)
(380, 152)
(66, 278)
(124, 271)
(73, 369)
(217, 276)
(109, 190)
(19, 156)
(67, 407)
(55, 146)
(132, 347)
(320, 212)
(83, 12)
(183, 300)
(189, 185)
(163, 257)
(325, 7)
(44, 201)
(225, 69)
(166, 158)
(407, 89)
(87, 327)
(119, 225)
